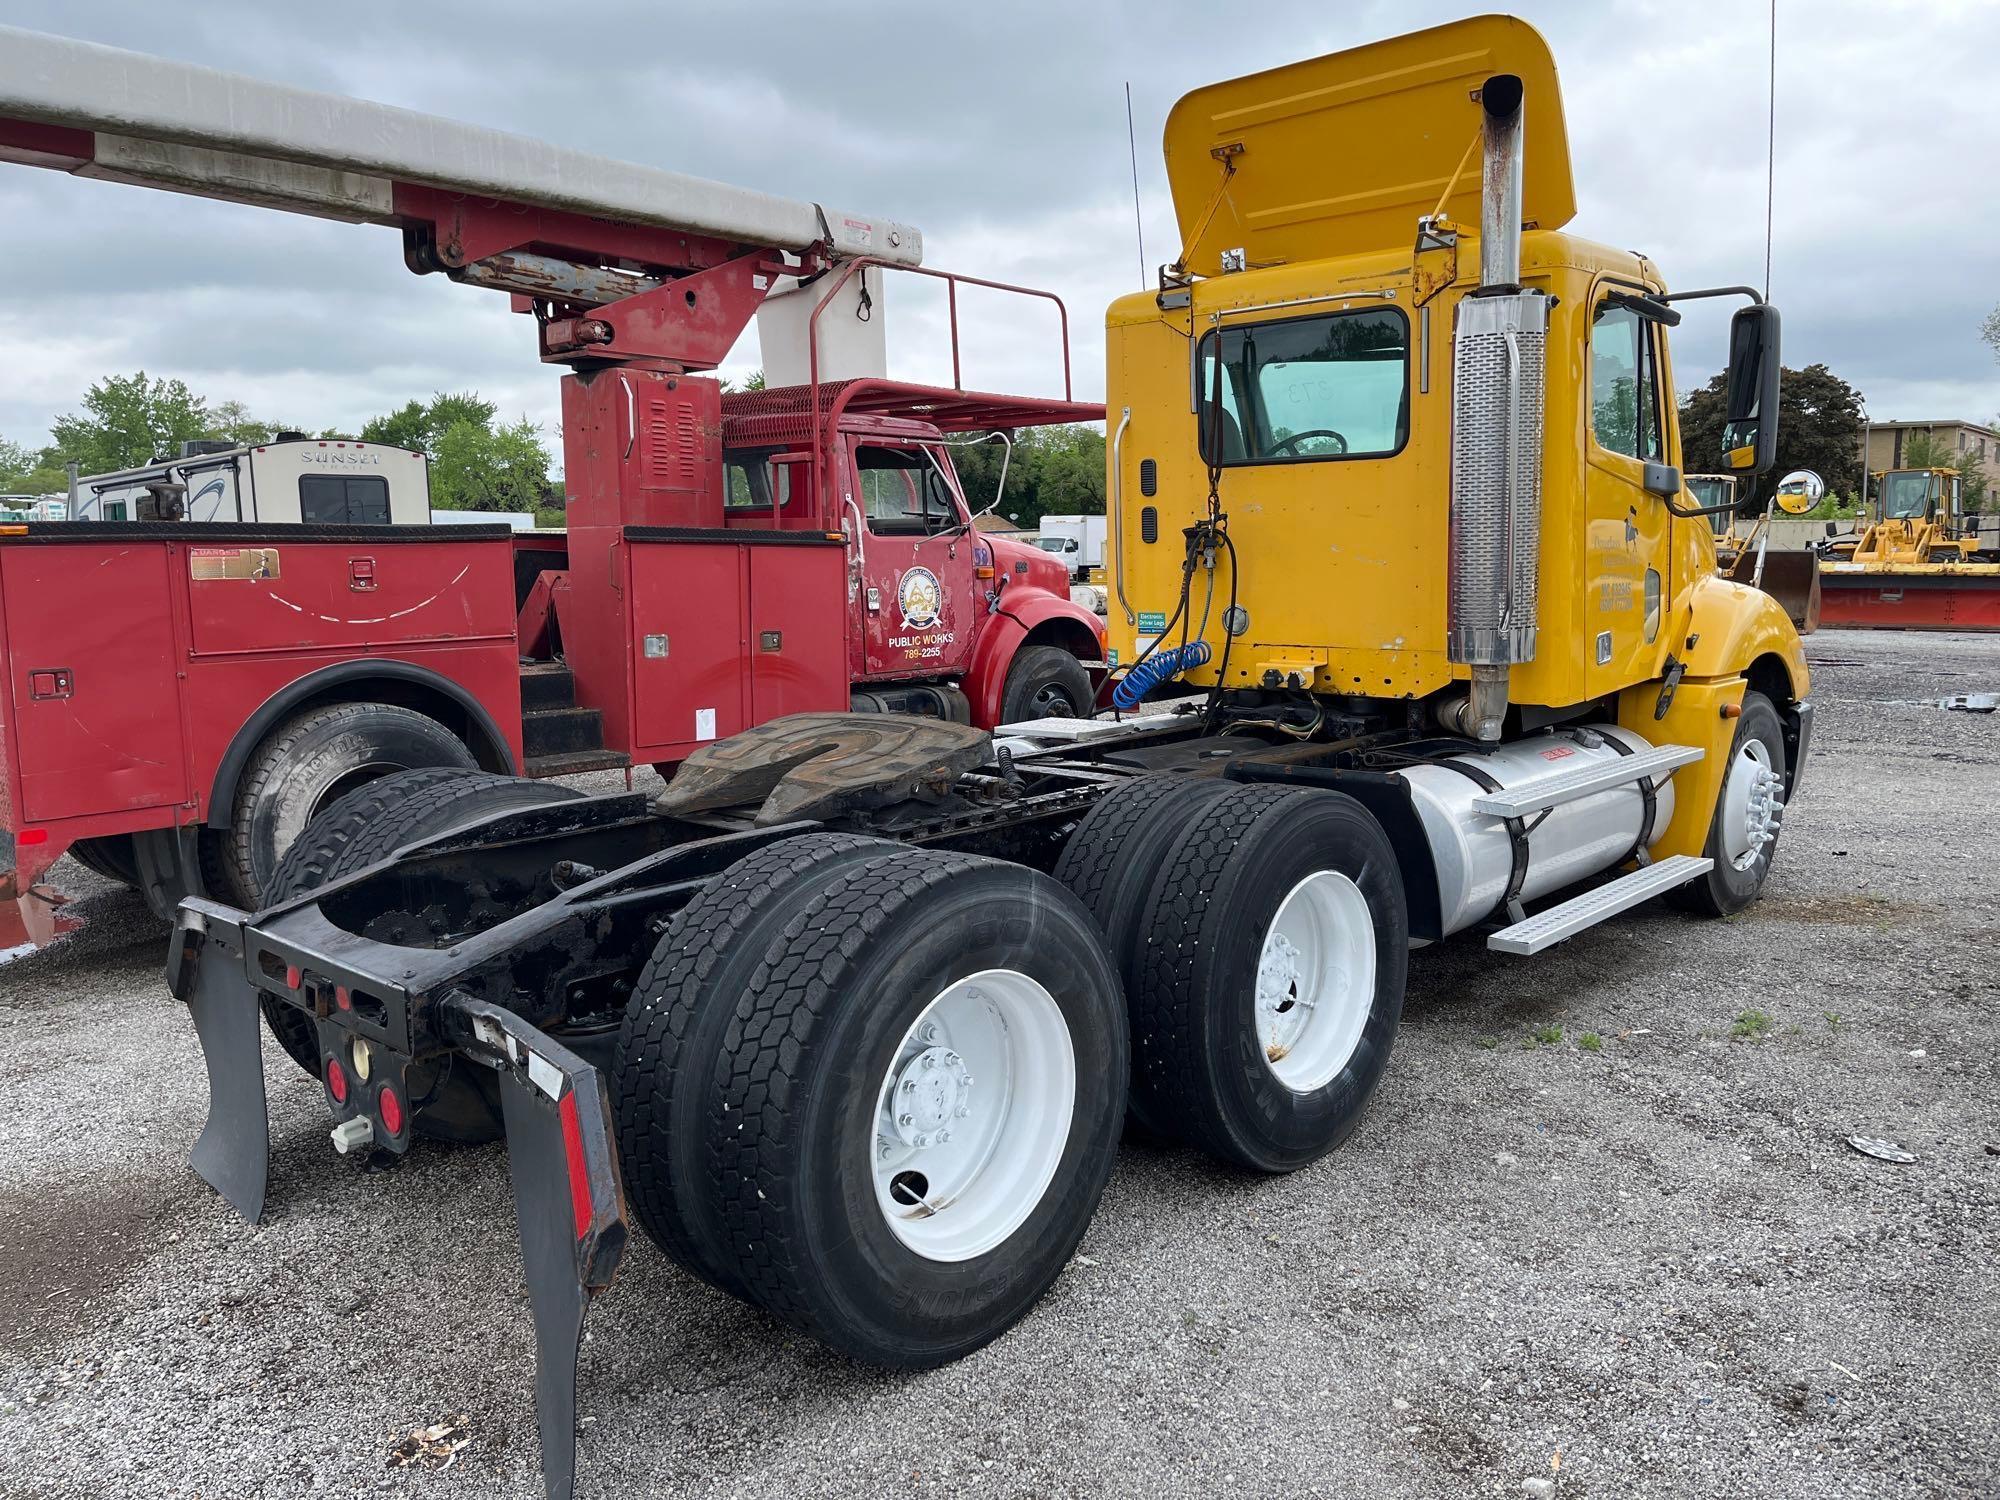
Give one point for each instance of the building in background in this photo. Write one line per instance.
(1886, 440)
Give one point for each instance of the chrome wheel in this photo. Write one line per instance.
(1753, 805)
(1315, 981)
(973, 1115)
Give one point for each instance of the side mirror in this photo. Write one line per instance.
(1799, 491)
(1833, 528)
(1750, 428)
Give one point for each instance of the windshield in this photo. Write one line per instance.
(1055, 544)
(1708, 491)
(1905, 493)
(1306, 389)
(903, 492)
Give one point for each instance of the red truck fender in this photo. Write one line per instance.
(370, 679)
(1024, 617)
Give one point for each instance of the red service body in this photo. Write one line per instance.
(139, 657)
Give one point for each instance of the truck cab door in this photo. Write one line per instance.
(919, 601)
(1625, 548)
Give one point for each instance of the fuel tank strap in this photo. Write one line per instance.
(1518, 829)
(1649, 812)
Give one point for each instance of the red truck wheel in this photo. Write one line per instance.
(1044, 682)
(307, 764)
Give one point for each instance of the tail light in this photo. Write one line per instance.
(392, 1111)
(336, 1080)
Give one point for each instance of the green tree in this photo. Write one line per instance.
(232, 422)
(1054, 471)
(24, 471)
(476, 466)
(421, 424)
(128, 420)
(1819, 428)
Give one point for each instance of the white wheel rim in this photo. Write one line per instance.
(1753, 805)
(973, 1115)
(1315, 981)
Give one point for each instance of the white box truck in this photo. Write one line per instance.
(1077, 540)
(320, 481)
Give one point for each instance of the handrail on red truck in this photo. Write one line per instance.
(845, 271)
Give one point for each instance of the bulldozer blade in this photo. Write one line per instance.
(1792, 578)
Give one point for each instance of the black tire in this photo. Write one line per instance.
(1726, 889)
(664, 1081)
(844, 980)
(1044, 682)
(1195, 1044)
(112, 857)
(1113, 861)
(311, 761)
(368, 824)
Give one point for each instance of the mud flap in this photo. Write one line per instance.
(205, 973)
(567, 1200)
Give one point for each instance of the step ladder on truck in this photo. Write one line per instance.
(729, 557)
(1419, 637)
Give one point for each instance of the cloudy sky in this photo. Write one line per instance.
(1000, 131)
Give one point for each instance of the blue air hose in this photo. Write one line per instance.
(1159, 667)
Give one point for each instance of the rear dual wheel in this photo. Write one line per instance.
(881, 1100)
(1264, 962)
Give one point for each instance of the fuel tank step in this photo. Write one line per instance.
(1547, 928)
(1584, 781)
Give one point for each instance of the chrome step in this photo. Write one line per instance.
(1584, 781)
(1547, 928)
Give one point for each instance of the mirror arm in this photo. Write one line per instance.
(1712, 291)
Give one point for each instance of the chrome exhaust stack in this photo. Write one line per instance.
(1499, 364)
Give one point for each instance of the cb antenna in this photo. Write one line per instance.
(1138, 220)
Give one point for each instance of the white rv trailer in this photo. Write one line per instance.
(320, 481)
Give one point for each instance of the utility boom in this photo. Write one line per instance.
(565, 231)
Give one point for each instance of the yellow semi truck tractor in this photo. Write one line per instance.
(848, 1017)
(1395, 471)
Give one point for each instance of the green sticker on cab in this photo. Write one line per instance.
(1152, 622)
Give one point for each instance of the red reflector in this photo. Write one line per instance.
(32, 836)
(341, 998)
(336, 1080)
(579, 1175)
(292, 976)
(392, 1112)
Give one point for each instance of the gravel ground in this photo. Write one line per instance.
(1653, 1269)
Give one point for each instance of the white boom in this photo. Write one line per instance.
(199, 130)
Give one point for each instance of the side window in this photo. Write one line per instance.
(1305, 389)
(753, 482)
(339, 500)
(902, 493)
(1624, 383)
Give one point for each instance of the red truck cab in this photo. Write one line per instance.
(942, 618)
